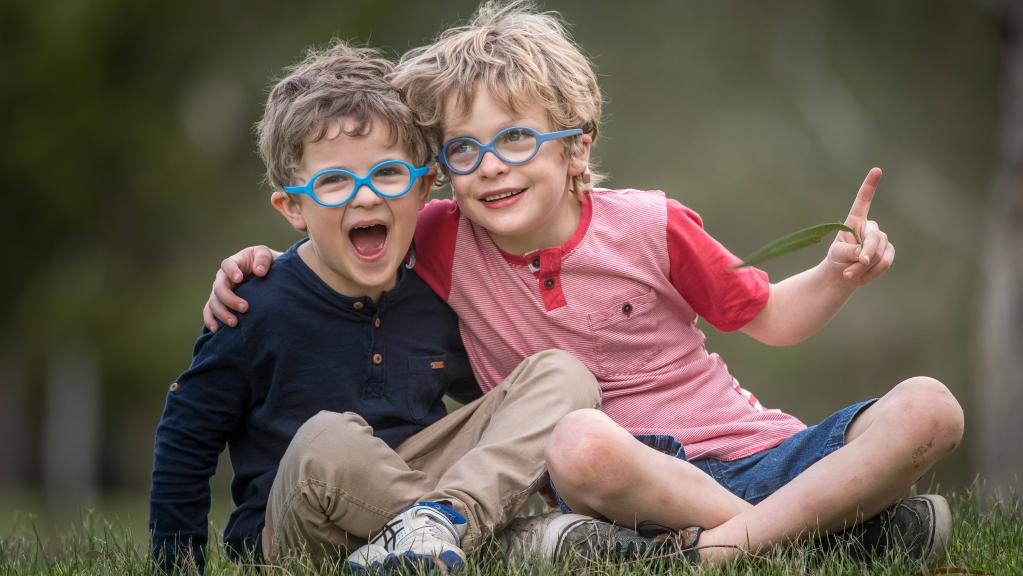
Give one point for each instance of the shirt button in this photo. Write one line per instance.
(627, 309)
(358, 305)
(376, 322)
(174, 387)
(548, 283)
(536, 262)
(377, 359)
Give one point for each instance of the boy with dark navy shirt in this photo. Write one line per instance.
(329, 395)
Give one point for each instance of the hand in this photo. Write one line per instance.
(862, 261)
(254, 260)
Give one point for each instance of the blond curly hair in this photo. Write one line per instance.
(521, 55)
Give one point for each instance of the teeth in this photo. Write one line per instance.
(500, 196)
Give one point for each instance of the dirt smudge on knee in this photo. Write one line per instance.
(917, 457)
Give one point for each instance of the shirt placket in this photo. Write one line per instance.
(373, 389)
(546, 267)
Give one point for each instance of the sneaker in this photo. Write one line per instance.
(556, 536)
(919, 527)
(684, 543)
(423, 537)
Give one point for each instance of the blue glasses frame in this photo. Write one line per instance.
(360, 181)
(540, 137)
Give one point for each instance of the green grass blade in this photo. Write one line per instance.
(794, 241)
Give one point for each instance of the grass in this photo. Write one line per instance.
(988, 539)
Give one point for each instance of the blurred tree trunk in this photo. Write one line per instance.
(71, 434)
(999, 387)
(14, 428)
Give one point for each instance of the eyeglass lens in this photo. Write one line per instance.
(515, 145)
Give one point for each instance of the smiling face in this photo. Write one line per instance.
(524, 207)
(355, 248)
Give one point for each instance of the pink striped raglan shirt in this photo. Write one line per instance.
(622, 295)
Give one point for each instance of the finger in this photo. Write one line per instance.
(854, 271)
(263, 257)
(864, 196)
(871, 240)
(883, 265)
(207, 317)
(234, 266)
(222, 313)
(848, 237)
(223, 293)
(879, 252)
(843, 253)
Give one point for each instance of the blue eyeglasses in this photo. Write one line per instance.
(514, 145)
(336, 187)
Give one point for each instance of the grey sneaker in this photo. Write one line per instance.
(919, 527)
(423, 537)
(557, 536)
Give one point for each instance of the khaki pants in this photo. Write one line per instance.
(337, 483)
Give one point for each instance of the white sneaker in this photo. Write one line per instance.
(424, 536)
(557, 536)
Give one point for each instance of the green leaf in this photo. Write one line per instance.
(794, 241)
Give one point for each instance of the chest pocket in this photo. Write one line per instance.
(426, 384)
(625, 333)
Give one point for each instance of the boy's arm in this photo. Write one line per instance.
(802, 304)
(202, 409)
(435, 235)
(235, 269)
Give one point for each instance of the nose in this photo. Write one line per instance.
(491, 166)
(365, 197)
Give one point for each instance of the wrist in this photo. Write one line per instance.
(833, 280)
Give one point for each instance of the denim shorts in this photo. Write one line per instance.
(756, 477)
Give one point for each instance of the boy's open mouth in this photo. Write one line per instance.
(368, 241)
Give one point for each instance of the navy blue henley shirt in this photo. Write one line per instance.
(301, 348)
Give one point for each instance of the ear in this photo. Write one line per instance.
(426, 182)
(290, 207)
(579, 162)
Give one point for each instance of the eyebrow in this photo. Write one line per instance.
(519, 121)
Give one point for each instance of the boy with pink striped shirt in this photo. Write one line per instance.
(532, 256)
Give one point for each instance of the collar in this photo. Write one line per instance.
(529, 259)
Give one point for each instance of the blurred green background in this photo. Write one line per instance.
(130, 167)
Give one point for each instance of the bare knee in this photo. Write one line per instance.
(930, 415)
(574, 440)
(588, 453)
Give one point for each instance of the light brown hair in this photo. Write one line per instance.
(521, 55)
(338, 82)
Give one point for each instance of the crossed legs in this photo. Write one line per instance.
(338, 484)
(600, 469)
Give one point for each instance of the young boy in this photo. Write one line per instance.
(329, 397)
(619, 278)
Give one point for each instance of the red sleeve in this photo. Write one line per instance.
(436, 232)
(701, 272)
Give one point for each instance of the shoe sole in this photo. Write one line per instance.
(941, 528)
(411, 563)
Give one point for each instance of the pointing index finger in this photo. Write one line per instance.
(861, 205)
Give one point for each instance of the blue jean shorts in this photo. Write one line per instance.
(756, 477)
